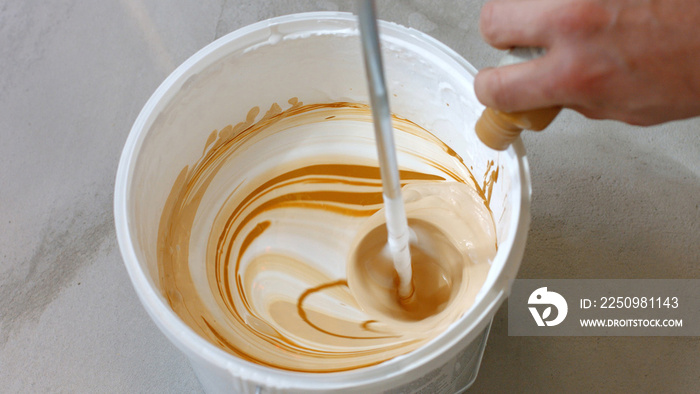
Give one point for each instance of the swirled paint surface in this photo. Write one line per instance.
(270, 246)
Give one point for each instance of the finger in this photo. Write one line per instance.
(589, 113)
(507, 23)
(518, 87)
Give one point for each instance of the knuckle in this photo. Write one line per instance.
(583, 79)
(582, 17)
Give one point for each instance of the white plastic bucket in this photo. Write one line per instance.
(316, 57)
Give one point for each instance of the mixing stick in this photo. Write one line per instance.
(396, 222)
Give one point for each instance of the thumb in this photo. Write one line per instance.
(518, 87)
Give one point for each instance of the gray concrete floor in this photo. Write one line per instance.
(609, 201)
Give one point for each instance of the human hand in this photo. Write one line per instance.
(637, 61)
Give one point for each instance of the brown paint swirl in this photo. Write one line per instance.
(255, 237)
